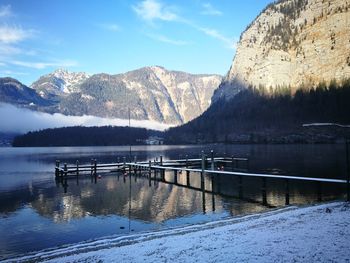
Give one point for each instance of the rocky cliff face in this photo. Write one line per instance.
(151, 93)
(292, 43)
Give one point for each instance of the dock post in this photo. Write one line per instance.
(65, 185)
(124, 164)
(162, 172)
(287, 192)
(319, 192)
(232, 163)
(175, 176)
(77, 167)
(57, 169)
(263, 191)
(187, 172)
(203, 202)
(240, 187)
(149, 172)
(212, 160)
(202, 172)
(65, 170)
(348, 172)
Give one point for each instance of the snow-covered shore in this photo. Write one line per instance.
(307, 234)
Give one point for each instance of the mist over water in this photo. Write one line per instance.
(21, 120)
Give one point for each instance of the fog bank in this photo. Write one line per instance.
(21, 120)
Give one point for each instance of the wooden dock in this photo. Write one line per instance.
(206, 165)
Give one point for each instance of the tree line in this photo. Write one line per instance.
(85, 136)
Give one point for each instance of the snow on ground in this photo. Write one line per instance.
(308, 234)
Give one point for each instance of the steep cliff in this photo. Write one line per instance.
(292, 43)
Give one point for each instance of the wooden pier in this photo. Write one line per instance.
(206, 165)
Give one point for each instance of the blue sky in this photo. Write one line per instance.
(39, 36)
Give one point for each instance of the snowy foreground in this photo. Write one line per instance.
(309, 234)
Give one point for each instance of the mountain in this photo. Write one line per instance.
(58, 83)
(151, 93)
(292, 67)
(14, 92)
(292, 43)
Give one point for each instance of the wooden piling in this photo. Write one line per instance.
(212, 164)
(203, 202)
(240, 186)
(263, 191)
(187, 172)
(287, 191)
(348, 172)
(65, 185)
(319, 191)
(175, 176)
(202, 172)
(149, 173)
(232, 163)
(57, 168)
(124, 164)
(65, 169)
(162, 172)
(77, 167)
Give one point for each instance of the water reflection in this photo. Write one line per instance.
(38, 212)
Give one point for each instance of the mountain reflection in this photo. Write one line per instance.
(113, 195)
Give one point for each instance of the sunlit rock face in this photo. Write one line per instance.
(292, 43)
(151, 93)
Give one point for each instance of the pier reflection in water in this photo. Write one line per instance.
(36, 212)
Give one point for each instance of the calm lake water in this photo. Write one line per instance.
(36, 212)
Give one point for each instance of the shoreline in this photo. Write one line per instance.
(214, 240)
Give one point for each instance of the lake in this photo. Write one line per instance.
(37, 212)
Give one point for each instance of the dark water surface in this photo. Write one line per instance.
(36, 212)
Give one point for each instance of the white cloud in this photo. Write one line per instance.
(228, 42)
(21, 120)
(14, 50)
(5, 11)
(43, 65)
(208, 9)
(151, 10)
(167, 40)
(110, 27)
(14, 34)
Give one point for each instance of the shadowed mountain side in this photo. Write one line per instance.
(254, 116)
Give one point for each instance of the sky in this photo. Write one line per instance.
(40, 36)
